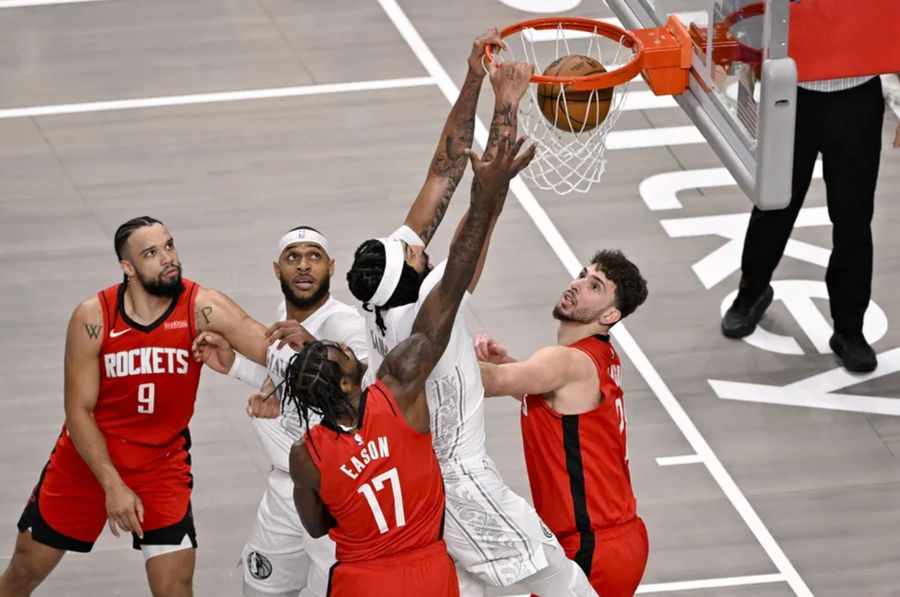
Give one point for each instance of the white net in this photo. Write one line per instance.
(571, 152)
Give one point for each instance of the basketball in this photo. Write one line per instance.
(575, 111)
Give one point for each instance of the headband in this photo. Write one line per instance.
(393, 267)
(303, 235)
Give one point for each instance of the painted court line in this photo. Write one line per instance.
(208, 98)
(22, 3)
(620, 332)
(676, 460)
(705, 583)
(710, 583)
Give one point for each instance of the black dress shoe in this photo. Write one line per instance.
(742, 316)
(854, 352)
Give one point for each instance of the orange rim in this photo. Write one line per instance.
(579, 83)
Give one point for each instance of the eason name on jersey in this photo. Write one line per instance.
(368, 453)
(146, 360)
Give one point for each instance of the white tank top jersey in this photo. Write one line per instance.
(335, 321)
(454, 390)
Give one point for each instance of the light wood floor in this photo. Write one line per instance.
(779, 493)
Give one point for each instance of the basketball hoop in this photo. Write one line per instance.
(571, 154)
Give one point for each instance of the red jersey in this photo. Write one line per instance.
(148, 378)
(578, 464)
(381, 484)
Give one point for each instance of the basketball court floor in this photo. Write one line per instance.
(760, 467)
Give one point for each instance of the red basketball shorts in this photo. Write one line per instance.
(67, 509)
(425, 571)
(619, 557)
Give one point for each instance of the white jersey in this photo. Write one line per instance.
(332, 321)
(454, 390)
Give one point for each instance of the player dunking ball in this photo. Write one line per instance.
(574, 427)
(494, 535)
(367, 474)
(130, 387)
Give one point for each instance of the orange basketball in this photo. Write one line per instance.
(574, 111)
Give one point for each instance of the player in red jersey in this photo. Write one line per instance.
(367, 474)
(574, 427)
(130, 386)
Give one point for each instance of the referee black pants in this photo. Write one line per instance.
(845, 127)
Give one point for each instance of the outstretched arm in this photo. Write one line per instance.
(449, 161)
(407, 366)
(215, 312)
(546, 371)
(509, 86)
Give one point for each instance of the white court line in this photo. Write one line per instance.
(658, 137)
(711, 583)
(676, 460)
(647, 100)
(208, 98)
(21, 3)
(620, 332)
(705, 583)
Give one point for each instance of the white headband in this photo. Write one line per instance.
(393, 267)
(304, 235)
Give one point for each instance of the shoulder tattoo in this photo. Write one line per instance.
(94, 330)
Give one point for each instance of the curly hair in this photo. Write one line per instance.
(631, 287)
(366, 272)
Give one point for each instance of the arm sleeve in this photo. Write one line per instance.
(248, 371)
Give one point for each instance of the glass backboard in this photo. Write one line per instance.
(742, 90)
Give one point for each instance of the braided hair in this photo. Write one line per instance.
(365, 275)
(312, 383)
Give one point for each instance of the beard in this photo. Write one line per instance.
(305, 302)
(161, 286)
(560, 315)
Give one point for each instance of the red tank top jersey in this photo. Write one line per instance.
(148, 378)
(578, 464)
(381, 484)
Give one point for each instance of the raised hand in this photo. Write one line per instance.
(214, 351)
(477, 58)
(489, 351)
(510, 80)
(497, 172)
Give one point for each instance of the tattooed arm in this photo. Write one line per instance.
(509, 80)
(449, 161)
(215, 312)
(406, 367)
(84, 338)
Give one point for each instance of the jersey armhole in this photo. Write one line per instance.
(108, 320)
(311, 448)
(599, 366)
(388, 397)
(192, 296)
(395, 408)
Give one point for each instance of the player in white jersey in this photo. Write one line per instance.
(494, 535)
(280, 558)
